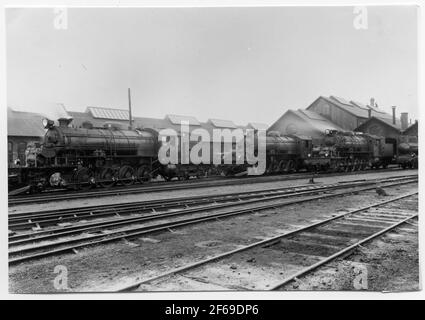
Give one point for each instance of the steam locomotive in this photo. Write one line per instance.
(82, 158)
(335, 151)
(408, 152)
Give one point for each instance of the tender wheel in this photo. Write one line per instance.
(333, 167)
(167, 178)
(282, 166)
(107, 178)
(143, 174)
(126, 175)
(83, 179)
(291, 166)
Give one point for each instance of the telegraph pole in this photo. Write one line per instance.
(129, 111)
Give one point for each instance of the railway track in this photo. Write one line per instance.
(38, 220)
(272, 263)
(167, 186)
(47, 242)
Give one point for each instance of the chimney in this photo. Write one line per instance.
(394, 115)
(372, 102)
(404, 120)
(369, 113)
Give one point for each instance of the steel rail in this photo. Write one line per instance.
(265, 242)
(134, 232)
(27, 220)
(339, 254)
(31, 237)
(22, 216)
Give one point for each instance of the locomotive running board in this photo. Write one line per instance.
(240, 174)
(19, 191)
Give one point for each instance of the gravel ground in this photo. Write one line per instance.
(200, 191)
(111, 266)
(388, 264)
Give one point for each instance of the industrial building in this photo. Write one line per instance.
(23, 129)
(349, 115)
(99, 117)
(412, 130)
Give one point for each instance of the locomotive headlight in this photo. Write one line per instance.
(309, 155)
(47, 123)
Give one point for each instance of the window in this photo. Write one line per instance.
(10, 152)
(21, 151)
(413, 139)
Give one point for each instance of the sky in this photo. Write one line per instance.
(240, 64)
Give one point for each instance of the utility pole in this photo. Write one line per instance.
(130, 119)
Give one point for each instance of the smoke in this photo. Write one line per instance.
(55, 111)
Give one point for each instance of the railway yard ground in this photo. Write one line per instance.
(344, 232)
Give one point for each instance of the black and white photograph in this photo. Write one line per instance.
(212, 149)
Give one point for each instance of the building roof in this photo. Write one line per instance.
(313, 120)
(218, 123)
(257, 126)
(411, 127)
(316, 120)
(107, 113)
(24, 124)
(178, 119)
(138, 122)
(30, 124)
(358, 109)
(99, 118)
(386, 123)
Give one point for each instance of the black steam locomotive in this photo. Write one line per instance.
(82, 158)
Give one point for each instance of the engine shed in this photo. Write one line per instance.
(379, 127)
(349, 115)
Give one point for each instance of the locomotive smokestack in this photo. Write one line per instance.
(130, 119)
(394, 114)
